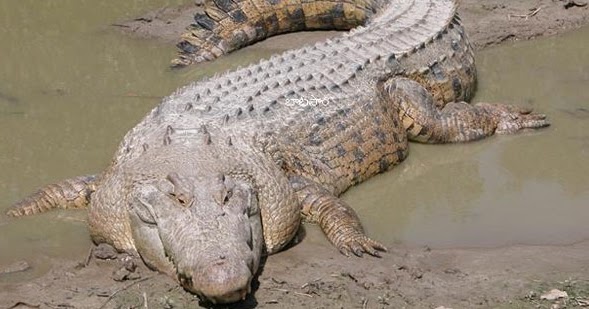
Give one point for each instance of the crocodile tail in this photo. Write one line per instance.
(67, 194)
(228, 25)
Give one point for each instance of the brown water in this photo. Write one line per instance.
(71, 86)
(531, 188)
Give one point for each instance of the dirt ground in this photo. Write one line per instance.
(488, 22)
(312, 274)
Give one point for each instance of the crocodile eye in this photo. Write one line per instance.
(181, 200)
(181, 190)
(228, 195)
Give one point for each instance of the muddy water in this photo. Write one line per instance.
(71, 86)
(531, 188)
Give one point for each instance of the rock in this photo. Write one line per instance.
(130, 265)
(105, 252)
(121, 274)
(126, 272)
(554, 294)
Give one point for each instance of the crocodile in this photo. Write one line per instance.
(222, 171)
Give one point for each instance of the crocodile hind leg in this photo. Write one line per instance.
(227, 25)
(337, 220)
(456, 122)
(67, 194)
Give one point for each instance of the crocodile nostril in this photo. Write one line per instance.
(221, 260)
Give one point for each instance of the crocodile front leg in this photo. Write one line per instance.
(337, 219)
(316, 189)
(71, 193)
(456, 122)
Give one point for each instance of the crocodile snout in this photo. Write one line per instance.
(221, 282)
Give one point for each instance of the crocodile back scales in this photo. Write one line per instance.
(423, 37)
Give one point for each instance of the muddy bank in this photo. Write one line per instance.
(313, 275)
(488, 22)
(491, 22)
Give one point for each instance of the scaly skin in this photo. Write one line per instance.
(226, 166)
(68, 194)
(226, 26)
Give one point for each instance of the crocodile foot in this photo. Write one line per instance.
(338, 220)
(511, 118)
(349, 240)
(457, 121)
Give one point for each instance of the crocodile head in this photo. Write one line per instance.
(204, 230)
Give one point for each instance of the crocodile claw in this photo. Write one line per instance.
(516, 122)
(511, 118)
(358, 244)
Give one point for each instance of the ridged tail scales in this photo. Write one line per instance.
(71, 193)
(227, 25)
